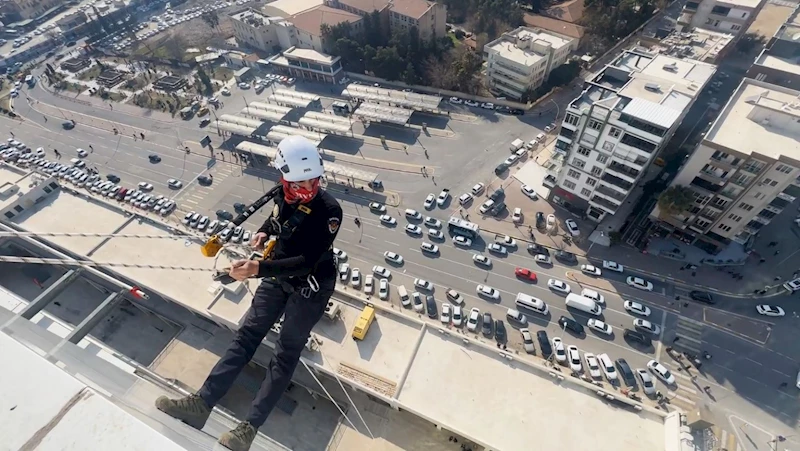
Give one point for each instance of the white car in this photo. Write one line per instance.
(477, 189)
(482, 260)
(416, 299)
(591, 270)
(599, 326)
(487, 291)
(174, 183)
(558, 350)
(435, 234)
(471, 103)
(637, 308)
(638, 282)
(388, 220)
(462, 241)
(486, 206)
(429, 201)
(455, 101)
(78, 163)
(355, 278)
(340, 254)
(647, 326)
(458, 315)
(368, 284)
(432, 222)
(344, 272)
(572, 227)
(559, 285)
(528, 191)
(648, 387)
(465, 198)
(188, 218)
(380, 271)
(543, 259)
(497, 249)
(445, 316)
(516, 217)
(661, 372)
(144, 186)
(592, 365)
(393, 257)
(429, 247)
(574, 357)
(413, 229)
(423, 284)
(608, 367)
(474, 319)
(770, 310)
(551, 222)
(506, 241)
(442, 197)
(527, 341)
(81, 153)
(378, 207)
(613, 266)
(454, 297)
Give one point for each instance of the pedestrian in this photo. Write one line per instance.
(298, 280)
(762, 261)
(776, 252)
(12, 134)
(784, 385)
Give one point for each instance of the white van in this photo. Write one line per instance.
(516, 144)
(531, 303)
(583, 304)
(404, 299)
(515, 316)
(413, 214)
(593, 295)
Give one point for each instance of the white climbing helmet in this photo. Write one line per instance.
(298, 159)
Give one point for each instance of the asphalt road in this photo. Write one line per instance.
(745, 374)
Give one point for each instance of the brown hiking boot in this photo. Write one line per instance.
(191, 409)
(240, 438)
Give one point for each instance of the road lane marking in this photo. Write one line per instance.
(753, 361)
(393, 244)
(781, 373)
(673, 395)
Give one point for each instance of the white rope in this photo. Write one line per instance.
(91, 263)
(346, 393)
(93, 235)
(329, 396)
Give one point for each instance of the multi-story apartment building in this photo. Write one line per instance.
(729, 16)
(743, 173)
(430, 18)
(616, 128)
(778, 63)
(521, 60)
(270, 34)
(309, 25)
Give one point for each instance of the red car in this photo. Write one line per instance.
(525, 273)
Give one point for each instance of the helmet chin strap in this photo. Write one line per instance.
(294, 193)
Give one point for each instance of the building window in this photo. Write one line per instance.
(721, 10)
(595, 125)
(597, 171)
(47, 190)
(614, 132)
(735, 27)
(574, 174)
(584, 151)
(569, 184)
(602, 159)
(784, 168)
(571, 119)
(591, 182)
(725, 227)
(18, 208)
(734, 217)
(9, 215)
(586, 192)
(639, 143)
(578, 163)
(741, 180)
(53, 185)
(702, 223)
(745, 206)
(769, 182)
(719, 202)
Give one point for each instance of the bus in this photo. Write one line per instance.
(458, 226)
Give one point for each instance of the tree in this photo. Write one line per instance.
(750, 41)
(211, 18)
(205, 81)
(410, 75)
(675, 199)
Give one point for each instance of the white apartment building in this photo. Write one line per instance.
(616, 128)
(253, 29)
(729, 16)
(744, 172)
(521, 60)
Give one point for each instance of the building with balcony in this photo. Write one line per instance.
(615, 129)
(744, 171)
(307, 64)
(728, 16)
(520, 60)
(428, 17)
(778, 63)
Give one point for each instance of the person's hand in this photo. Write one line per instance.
(258, 240)
(243, 269)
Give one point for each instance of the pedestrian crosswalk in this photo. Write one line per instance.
(189, 199)
(685, 394)
(688, 335)
(728, 441)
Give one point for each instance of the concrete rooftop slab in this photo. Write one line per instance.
(510, 406)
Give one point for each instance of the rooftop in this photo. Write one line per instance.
(555, 25)
(290, 7)
(508, 45)
(255, 18)
(312, 20)
(790, 65)
(365, 5)
(760, 119)
(310, 55)
(699, 44)
(412, 8)
(570, 11)
(741, 3)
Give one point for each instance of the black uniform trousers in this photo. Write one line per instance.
(300, 315)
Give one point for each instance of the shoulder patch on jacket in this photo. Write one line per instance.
(333, 224)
